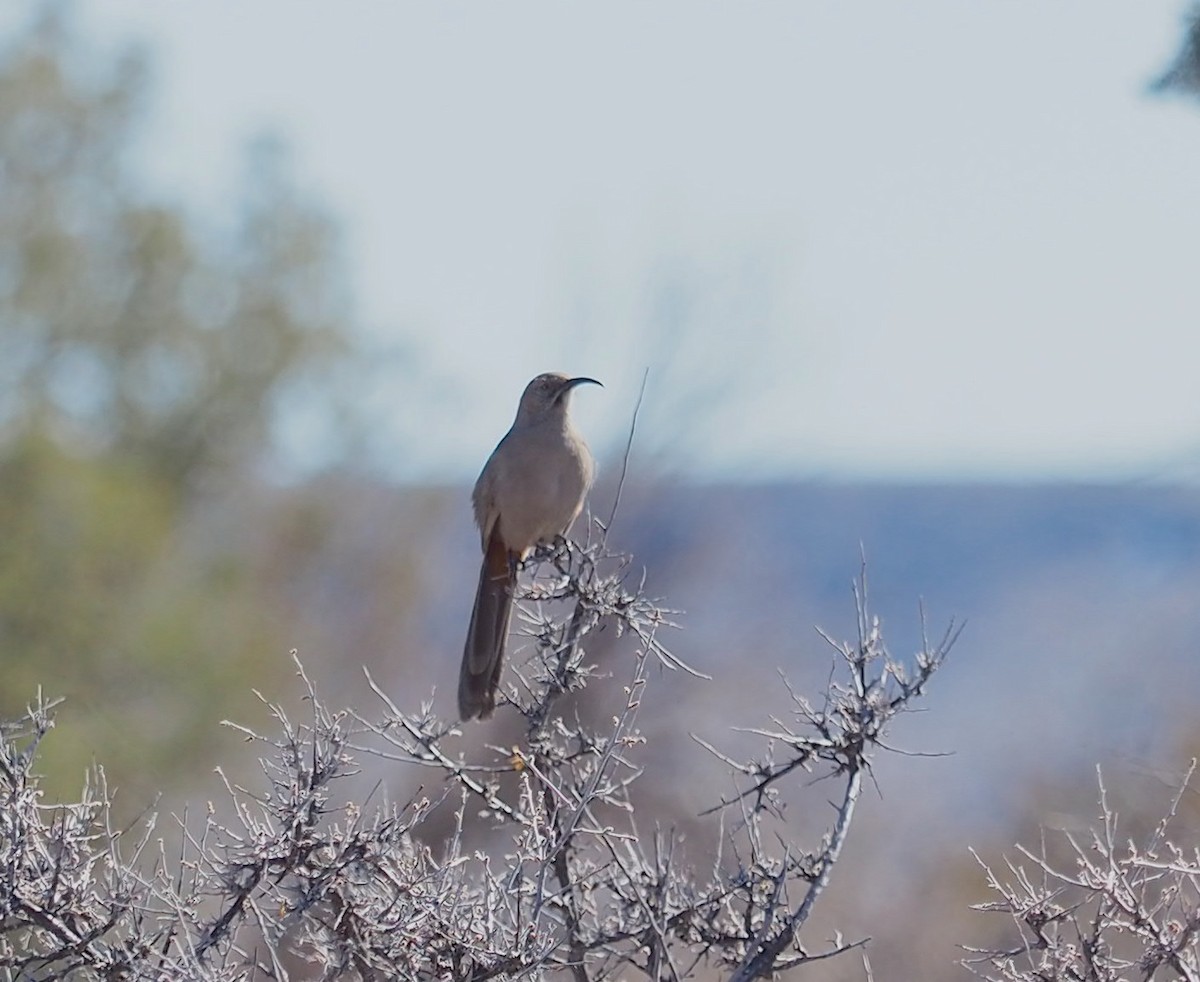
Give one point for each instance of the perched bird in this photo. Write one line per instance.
(530, 491)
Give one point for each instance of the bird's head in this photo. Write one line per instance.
(549, 393)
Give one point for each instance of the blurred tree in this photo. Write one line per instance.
(145, 363)
(124, 331)
(1183, 74)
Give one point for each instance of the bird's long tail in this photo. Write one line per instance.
(483, 653)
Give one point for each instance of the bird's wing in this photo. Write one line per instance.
(484, 500)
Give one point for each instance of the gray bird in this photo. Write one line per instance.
(530, 491)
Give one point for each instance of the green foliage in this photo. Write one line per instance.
(144, 361)
(127, 329)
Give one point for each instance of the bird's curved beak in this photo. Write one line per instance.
(570, 383)
(560, 397)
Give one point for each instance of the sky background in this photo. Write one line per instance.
(923, 240)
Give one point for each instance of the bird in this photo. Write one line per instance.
(529, 492)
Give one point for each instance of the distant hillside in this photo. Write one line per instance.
(1082, 603)
(1082, 610)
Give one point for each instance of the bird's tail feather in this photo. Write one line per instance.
(483, 654)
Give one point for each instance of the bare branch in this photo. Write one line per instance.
(304, 864)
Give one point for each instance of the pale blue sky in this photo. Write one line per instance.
(914, 240)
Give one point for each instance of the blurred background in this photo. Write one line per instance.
(910, 281)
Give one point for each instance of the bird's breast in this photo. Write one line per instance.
(548, 495)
